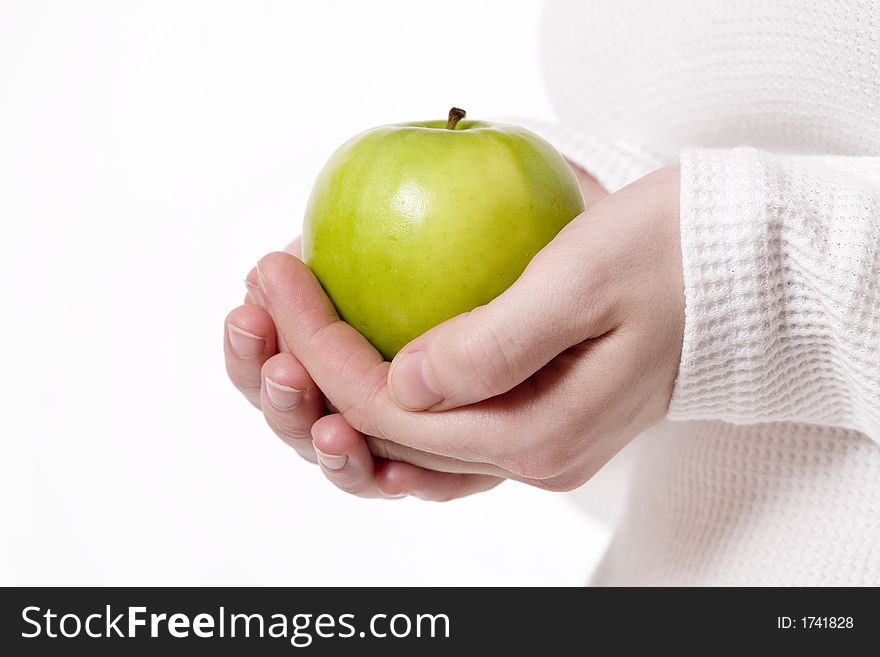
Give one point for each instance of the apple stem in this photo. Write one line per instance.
(455, 115)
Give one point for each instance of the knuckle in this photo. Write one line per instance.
(545, 458)
(361, 417)
(250, 393)
(246, 379)
(483, 354)
(576, 427)
(365, 413)
(242, 381)
(596, 301)
(534, 465)
(349, 486)
(290, 432)
(379, 448)
(560, 483)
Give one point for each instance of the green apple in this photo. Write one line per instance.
(409, 225)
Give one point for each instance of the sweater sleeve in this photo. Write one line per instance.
(781, 258)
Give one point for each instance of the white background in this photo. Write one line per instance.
(150, 153)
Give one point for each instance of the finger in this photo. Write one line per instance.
(396, 478)
(248, 341)
(344, 365)
(252, 284)
(348, 463)
(387, 450)
(344, 457)
(555, 304)
(353, 376)
(533, 432)
(252, 280)
(333, 352)
(291, 402)
(253, 295)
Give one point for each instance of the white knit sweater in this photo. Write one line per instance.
(768, 470)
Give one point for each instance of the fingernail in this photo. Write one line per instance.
(244, 344)
(410, 386)
(255, 294)
(398, 496)
(331, 461)
(260, 278)
(282, 397)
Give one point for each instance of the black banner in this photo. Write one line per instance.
(332, 621)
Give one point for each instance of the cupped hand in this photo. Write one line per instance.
(272, 379)
(543, 385)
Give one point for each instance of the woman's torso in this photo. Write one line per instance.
(713, 503)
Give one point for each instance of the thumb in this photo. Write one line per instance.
(555, 304)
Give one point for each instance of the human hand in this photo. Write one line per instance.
(545, 383)
(272, 379)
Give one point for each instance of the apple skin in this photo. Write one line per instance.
(409, 225)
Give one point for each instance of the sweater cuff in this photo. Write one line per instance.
(733, 303)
